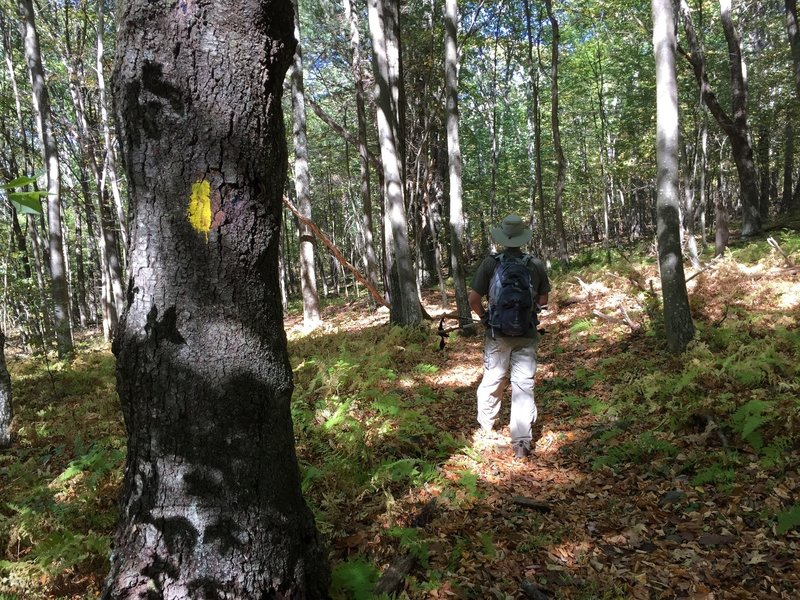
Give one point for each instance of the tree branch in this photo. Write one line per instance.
(376, 295)
(328, 120)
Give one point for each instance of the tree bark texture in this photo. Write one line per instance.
(6, 408)
(677, 317)
(302, 184)
(41, 103)
(211, 504)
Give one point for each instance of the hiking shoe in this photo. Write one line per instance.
(521, 450)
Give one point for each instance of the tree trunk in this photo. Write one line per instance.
(677, 317)
(454, 162)
(41, 104)
(561, 234)
(211, 504)
(794, 40)
(763, 171)
(6, 407)
(370, 258)
(311, 316)
(535, 117)
(787, 200)
(735, 128)
(405, 306)
(110, 158)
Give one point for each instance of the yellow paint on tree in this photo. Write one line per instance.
(200, 207)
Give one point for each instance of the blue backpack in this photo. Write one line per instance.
(511, 309)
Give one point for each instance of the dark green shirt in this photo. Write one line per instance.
(539, 280)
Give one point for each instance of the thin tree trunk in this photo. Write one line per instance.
(793, 32)
(677, 317)
(735, 128)
(561, 234)
(6, 405)
(363, 152)
(311, 316)
(110, 161)
(535, 120)
(405, 306)
(454, 162)
(787, 201)
(41, 103)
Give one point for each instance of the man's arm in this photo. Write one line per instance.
(476, 303)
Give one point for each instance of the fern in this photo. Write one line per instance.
(354, 578)
(749, 418)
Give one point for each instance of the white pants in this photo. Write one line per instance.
(501, 356)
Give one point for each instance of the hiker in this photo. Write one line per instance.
(511, 335)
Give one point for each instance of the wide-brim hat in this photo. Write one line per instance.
(512, 232)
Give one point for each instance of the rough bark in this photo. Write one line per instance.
(211, 504)
(561, 235)
(6, 407)
(41, 103)
(677, 317)
(302, 185)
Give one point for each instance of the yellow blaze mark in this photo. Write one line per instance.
(200, 207)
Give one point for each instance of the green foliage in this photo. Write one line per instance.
(717, 474)
(354, 579)
(749, 418)
(646, 447)
(789, 519)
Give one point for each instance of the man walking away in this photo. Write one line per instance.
(516, 286)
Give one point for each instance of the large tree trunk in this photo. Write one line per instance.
(6, 408)
(677, 318)
(211, 502)
(454, 162)
(41, 103)
(302, 185)
(405, 306)
(561, 233)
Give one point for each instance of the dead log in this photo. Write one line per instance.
(539, 505)
(376, 295)
(395, 574)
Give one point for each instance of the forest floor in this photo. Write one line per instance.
(653, 475)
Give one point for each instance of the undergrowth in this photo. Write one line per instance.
(365, 411)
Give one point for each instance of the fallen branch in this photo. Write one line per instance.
(376, 295)
(533, 591)
(625, 320)
(773, 242)
(531, 503)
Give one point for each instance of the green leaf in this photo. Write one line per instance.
(27, 202)
(789, 519)
(18, 182)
